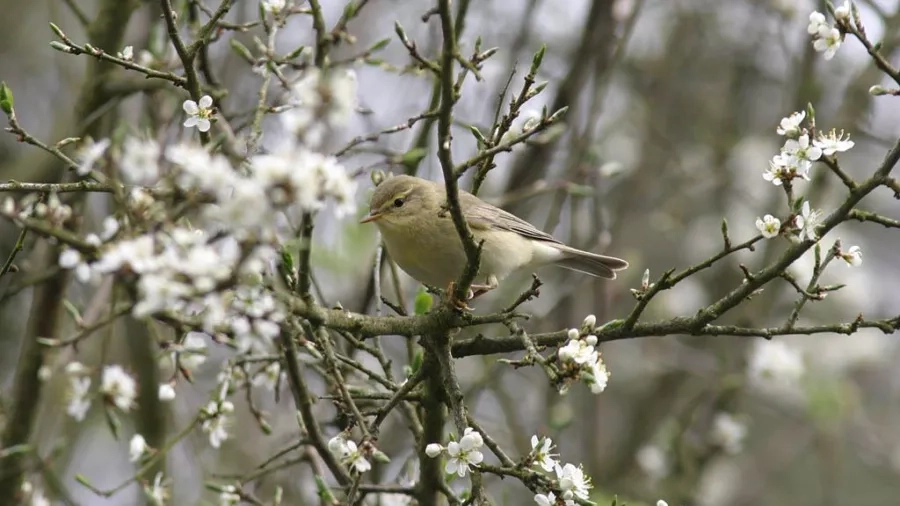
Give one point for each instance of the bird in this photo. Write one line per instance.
(419, 235)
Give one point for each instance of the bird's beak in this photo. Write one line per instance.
(372, 216)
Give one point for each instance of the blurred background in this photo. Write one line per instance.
(672, 113)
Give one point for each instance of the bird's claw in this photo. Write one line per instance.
(457, 303)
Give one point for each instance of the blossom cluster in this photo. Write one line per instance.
(118, 388)
(464, 453)
(802, 147)
(579, 358)
(572, 482)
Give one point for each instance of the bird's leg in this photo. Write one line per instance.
(457, 303)
(480, 290)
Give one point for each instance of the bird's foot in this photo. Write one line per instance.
(454, 301)
(479, 290)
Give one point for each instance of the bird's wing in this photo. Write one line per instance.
(483, 216)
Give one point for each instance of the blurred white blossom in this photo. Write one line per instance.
(157, 492)
(728, 433)
(79, 391)
(166, 392)
(217, 421)
(88, 155)
(273, 6)
(136, 447)
(774, 363)
(127, 53)
(118, 386)
(229, 496)
(653, 461)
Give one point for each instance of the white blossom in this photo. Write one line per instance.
(790, 126)
(136, 447)
(191, 354)
(573, 482)
(728, 432)
(590, 321)
(140, 162)
(800, 150)
(229, 496)
(166, 392)
(157, 492)
(88, 155)
(198, 113)
(118, 386)
(807, 222)
(127, 53)
(269, 377)
(70, 258)
(577, 351)
(550, 499)
(599, 377)
(354, 458)
(541, 449)
(828, 41)
(852, 256)
(833, 142)
(464, 453)
(653, 461)
(816, 23)
(217, 422)
(273, 6)
(320, 100)
(775, 363)
(433, 450)
(79, 399)
(661, 503)
(769, 226)
(842, 12)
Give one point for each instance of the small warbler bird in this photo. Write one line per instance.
(419, 235)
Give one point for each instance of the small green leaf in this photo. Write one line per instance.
(378, 46)
(58, 31)
(417, 360)
(350, 10)
(115, 426)
(479, 137)
(6, 99)
(242, 50)
(538, 58)
(412, 157)
(380, 456)
(324, 492)
(287, 261)
(423, 303)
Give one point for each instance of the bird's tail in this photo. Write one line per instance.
(600, 266)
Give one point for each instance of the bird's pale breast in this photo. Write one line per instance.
(431, 262)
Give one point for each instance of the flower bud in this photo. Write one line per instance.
(590, 321)
(433, 450)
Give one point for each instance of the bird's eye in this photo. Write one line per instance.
(398, 202)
